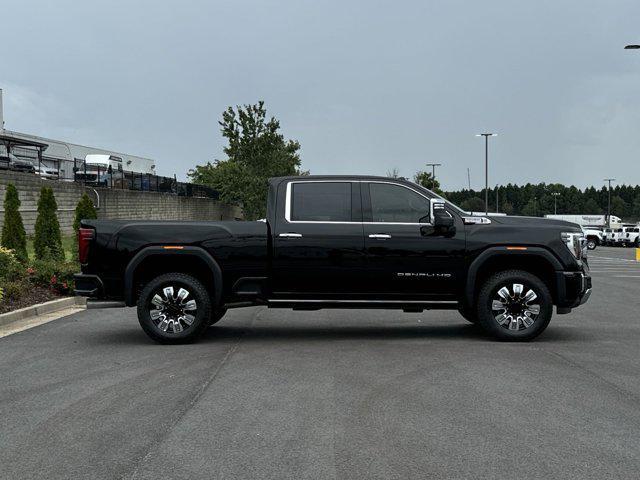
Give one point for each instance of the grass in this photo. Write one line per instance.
(67, 245)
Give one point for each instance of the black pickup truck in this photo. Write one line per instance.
(338, 242)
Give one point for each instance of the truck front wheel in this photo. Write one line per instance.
(174, 308)
(514, 305)
(216, 315)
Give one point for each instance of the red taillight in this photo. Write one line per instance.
(85, 235)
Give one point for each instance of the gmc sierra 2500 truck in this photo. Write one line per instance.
(338, 242)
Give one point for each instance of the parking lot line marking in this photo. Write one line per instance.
(626, 276)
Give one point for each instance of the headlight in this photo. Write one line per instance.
(575, 243)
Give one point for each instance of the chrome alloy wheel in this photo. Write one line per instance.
(513, 309)
(172, 312)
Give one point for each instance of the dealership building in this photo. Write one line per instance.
(59, 156)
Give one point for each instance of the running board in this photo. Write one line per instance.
(94, 304)
(406, 305)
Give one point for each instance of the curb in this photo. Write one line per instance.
(41, 309)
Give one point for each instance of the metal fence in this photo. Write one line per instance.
(98, 176)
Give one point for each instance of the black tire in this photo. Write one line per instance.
(176, 320)
(216, 315)
(515, 311)
(468, 315)
(591, 244)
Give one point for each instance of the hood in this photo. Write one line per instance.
(536, 222)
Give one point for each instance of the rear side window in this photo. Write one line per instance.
(396, 204)
(321, 202)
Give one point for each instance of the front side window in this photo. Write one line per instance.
(321, 202)
(396, 204)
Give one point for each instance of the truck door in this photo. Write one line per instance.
(405, 256)
(318, 240)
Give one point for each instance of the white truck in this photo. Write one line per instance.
(620, 234)
(631, 237)
(587, 220)
(594, 236)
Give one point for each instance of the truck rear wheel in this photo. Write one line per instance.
(514, 305)
(174, 308)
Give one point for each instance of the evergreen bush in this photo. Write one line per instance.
(13, 234)
(48, 241)
(84, 210)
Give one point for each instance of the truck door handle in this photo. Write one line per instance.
(381, 236)
(290, 235)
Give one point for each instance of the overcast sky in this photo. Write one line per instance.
(365, 86)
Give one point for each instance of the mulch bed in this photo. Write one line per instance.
(35, 294)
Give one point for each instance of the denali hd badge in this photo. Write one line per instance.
(424, 274)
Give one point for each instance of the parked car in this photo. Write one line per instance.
(338, 242)
(620, 234)
(632, 237)
(47, 172)
(594, 237)
(608, 234)
(11, 162)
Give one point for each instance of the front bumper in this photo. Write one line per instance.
(573, 290)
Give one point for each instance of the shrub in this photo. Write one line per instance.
(55, 275)
(48, 241)
(84, 210)
(13, 290)
(13, 234)
(9, 266)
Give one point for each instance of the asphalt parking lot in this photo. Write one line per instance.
(331, 394)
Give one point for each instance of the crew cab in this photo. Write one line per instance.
(338, 242)
(632, 237)
(594, 236)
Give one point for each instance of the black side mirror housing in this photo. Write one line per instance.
(443, 223)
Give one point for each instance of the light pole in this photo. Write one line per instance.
(497, 190)
(433, 174)
(555, 202)
(609, 201)
(486, 168)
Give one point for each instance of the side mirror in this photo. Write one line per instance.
(443, 223)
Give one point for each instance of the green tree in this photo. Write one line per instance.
(507, 207)
(591, 207)
(530, 208)
(47, 242)
(473, 204)
(427, 181)
(13, 234)
(635, 211)
(256, 151)
(618, 207)
(84, 211)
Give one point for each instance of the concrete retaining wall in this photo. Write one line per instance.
(114, 204)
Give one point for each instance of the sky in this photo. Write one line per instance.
(364, 86)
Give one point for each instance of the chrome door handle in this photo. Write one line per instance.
(290, 235)
(382, 236)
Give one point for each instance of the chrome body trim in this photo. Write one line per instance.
(287, 205)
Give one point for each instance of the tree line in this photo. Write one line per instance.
(538, 200)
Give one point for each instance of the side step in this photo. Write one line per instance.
(94, 304)
(406, 305)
